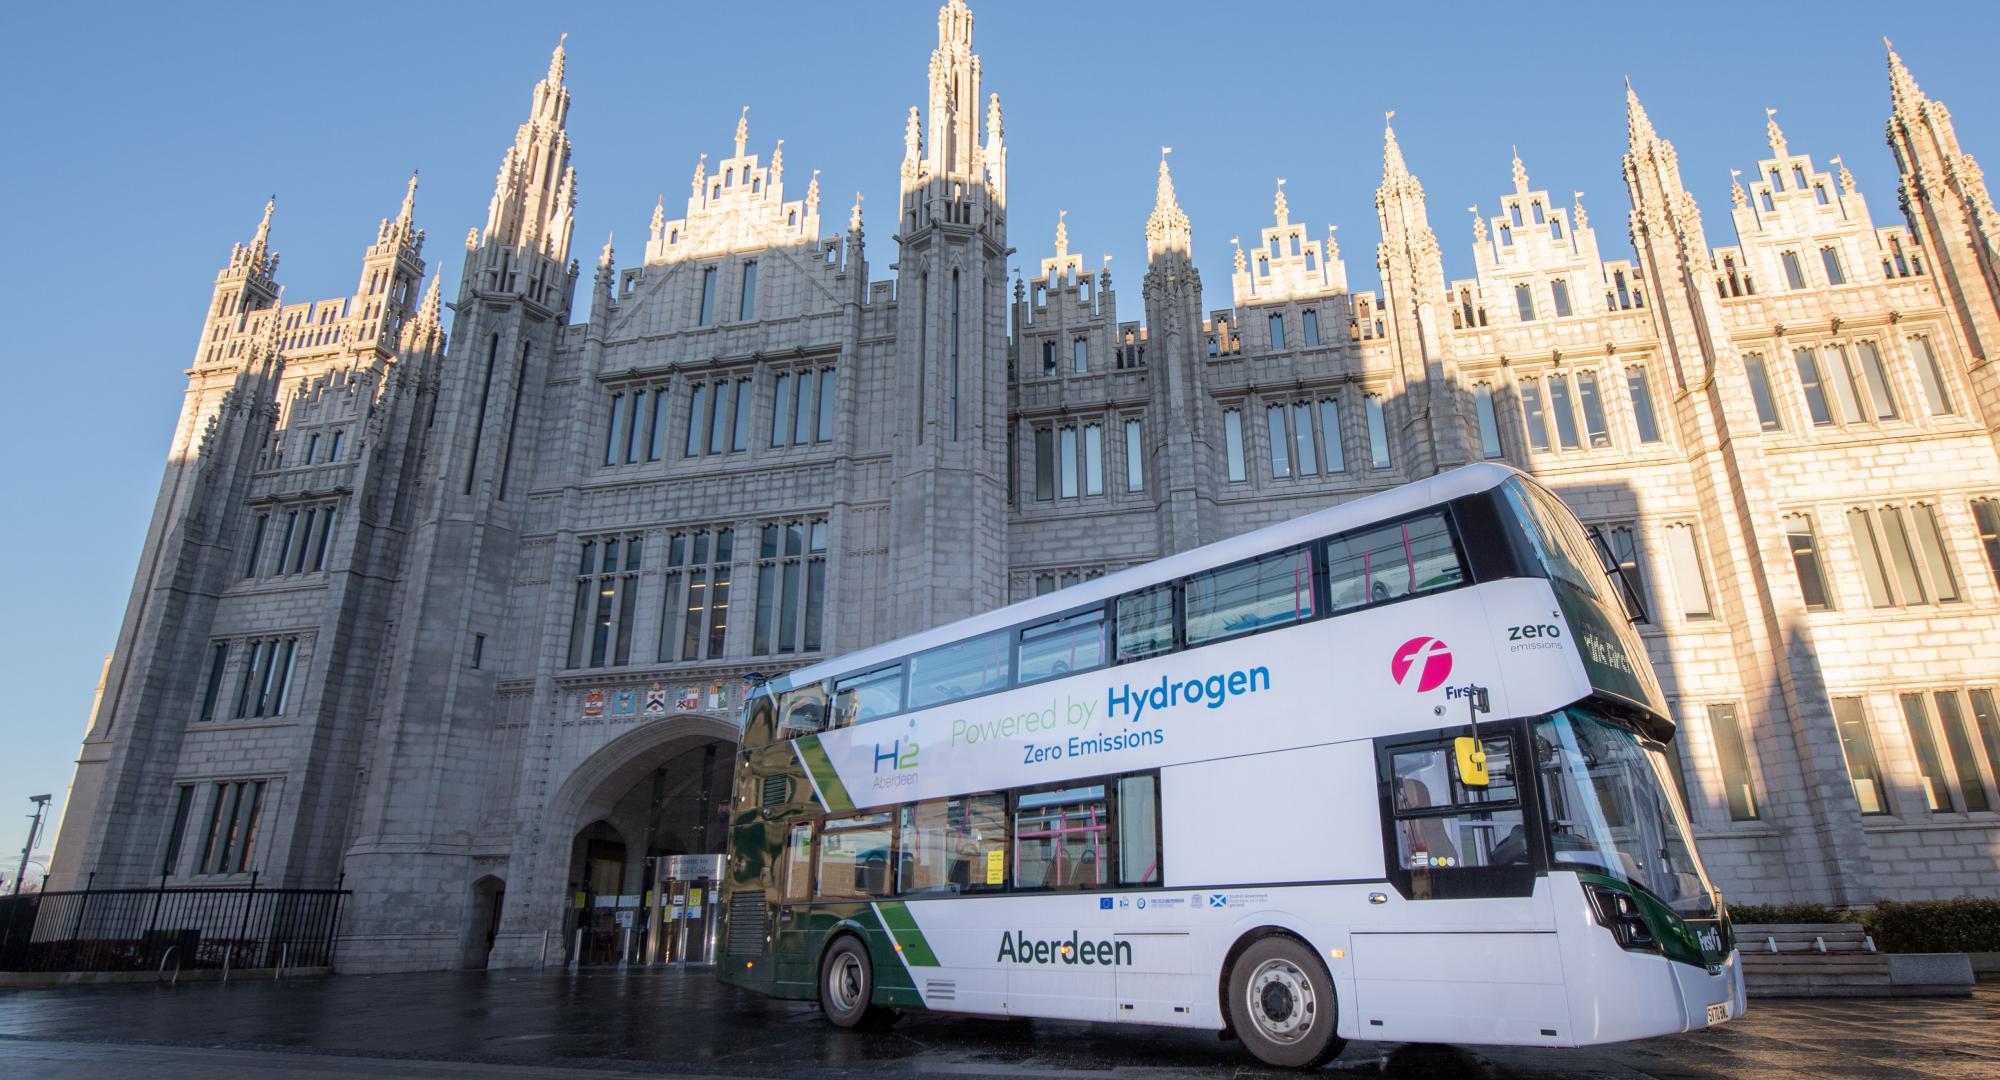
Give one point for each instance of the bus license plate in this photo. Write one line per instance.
(1718, 1013)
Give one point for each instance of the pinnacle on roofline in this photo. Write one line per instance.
(1902, 85)
(557, 60)
(1639, 126)
(408, 212)
(1393, 166)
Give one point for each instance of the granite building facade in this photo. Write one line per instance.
(464, 627)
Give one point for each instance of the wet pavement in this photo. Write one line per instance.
(604, 1023)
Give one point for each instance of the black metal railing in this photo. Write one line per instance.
(169, 929)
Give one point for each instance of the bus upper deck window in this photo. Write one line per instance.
(1146, 623)
(1061, 646)
(959, 670)
(1277, 588)
(858, 699)
(803, 713)
(1391, 561)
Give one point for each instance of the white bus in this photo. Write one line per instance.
(1244, 788)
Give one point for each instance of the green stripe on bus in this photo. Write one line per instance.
(902, 927)
(831, 790)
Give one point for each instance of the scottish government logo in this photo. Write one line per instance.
(1421, 664)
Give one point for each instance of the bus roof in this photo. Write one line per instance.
(1397, 501)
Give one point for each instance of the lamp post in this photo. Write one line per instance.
(41, 806)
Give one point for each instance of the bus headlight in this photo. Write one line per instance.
(1619, 912)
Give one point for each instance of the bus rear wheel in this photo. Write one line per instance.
(1281, 1004)
(846, 983)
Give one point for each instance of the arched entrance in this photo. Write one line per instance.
(657, 792)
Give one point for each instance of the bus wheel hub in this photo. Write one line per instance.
(1281, 1000)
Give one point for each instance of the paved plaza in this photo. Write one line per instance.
(662, 1022)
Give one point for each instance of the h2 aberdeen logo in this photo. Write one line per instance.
(1421, 663)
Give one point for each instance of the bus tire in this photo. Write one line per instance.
(1281, 1004)
(846, 983)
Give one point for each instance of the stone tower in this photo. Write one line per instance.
(152, 679)
(1412, 268)
(948, 483)
(426, 769)
(1944, 192)
(1182, 445)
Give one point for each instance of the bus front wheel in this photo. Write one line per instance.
(1281, 1004)
(846, 983)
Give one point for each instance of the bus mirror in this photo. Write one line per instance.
(1471, 762)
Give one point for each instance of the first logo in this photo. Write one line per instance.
(1421, 663)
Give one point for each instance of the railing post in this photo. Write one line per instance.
(248, 898)
(333, 924)
(76, 925)
(153, 922)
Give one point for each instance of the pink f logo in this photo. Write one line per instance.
(1426, 661)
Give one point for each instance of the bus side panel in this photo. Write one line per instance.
(1465, 970)
(1319, 819)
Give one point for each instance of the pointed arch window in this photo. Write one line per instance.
(1795, 275)
(1524, 300)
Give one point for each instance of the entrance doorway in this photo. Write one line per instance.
(677, 805)
(489, 895)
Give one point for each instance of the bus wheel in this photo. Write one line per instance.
(1281, 1004)
(846, 982)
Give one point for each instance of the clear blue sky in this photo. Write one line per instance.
(145, 140)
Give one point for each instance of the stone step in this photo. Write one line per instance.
(1869, 966)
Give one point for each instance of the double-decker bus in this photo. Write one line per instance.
(1249, 788)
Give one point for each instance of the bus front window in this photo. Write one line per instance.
(1610, 811)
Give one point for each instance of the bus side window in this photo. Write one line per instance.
(953, 846)
(1139, 830)
(1391, 561)
(1145, 623)
(854, 854)
(858, 699)
(1276, 588)
(803, 713)
(1442, 825)
(1062, 839)
(959, 670)
(798, 863)
(1061, 647)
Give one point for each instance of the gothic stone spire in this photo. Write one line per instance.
(1168, 228)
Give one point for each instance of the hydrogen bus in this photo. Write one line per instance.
(1249, 788)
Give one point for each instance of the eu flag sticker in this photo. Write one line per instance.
(1104, 903)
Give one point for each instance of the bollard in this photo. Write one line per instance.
(624, 947)
(576, 954)
(228, 954)
(543, 959)
(284, 950)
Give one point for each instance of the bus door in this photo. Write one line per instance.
(1460, 946)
